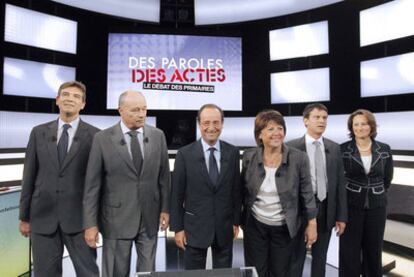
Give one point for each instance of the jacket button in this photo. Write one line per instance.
(57, 191)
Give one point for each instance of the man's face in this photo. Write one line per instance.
(133, 111)
(210, 125)
(316, 123)
(70, 101)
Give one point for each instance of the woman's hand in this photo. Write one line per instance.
(311, 233)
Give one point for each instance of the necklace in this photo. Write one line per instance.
(368, 148)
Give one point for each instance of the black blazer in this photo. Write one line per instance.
(293, 182)
(52, 195)
(199, 208)
(337, 209)
(367, 190)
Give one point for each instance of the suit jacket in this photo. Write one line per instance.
(198, 207)
(293, 182)
(367, 190)
(51, 194)
(115, 192)
(337, 203)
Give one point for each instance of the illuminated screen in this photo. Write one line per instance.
(300, 86)
(388, 76)
(299, 41)
(135, 9)
(392, 129)
(176, 72)
(34, 79)
(14, 248)
(229, 11)
(15, 127)
(386, 22)
(41, 30)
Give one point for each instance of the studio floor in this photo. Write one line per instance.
(169, 259)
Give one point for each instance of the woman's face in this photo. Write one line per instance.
(272, 135)
(360, 127)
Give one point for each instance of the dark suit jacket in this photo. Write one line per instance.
(367, 190)
(293, 182)
(52, 195)
(115, 191)
(337, 203)
(199, 208)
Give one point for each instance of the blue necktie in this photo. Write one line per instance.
(212, 167)
(63, 143)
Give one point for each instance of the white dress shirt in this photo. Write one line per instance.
(71, 131)
(206, 151)
(127, 138)
(310, 150)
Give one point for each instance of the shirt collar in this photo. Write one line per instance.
(310, 140)
(206, 146)
(125, 129)
(73, 124)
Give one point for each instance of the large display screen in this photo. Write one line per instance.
(135, 9)
(392, 129)
(229, 11)
(176, 72)
(15, 127)
(37, 29)
(299, 41)
(388, 76)
(34, 79)
(14, 248)
(299, 86)
(387, 21)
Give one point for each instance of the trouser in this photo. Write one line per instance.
(222, 256)
(319, 248)
(268, 248)
(116, 256)
(360, 247)
(48, 251)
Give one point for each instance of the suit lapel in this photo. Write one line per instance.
(147, 146)
(51, 141)
(302, 144)
(376, 155)
(199, 154)
(117, 138)
(77, 141)
(355, 154)
(224, 162)
(330, 163)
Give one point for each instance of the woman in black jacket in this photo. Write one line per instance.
(369, 169)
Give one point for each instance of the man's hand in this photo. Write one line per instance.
(164, 221)
(181, 239)
(340, 227)
(92, 236)
(311, 233)
(235, 232)
(24, 228)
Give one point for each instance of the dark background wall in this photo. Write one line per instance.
(343, 59)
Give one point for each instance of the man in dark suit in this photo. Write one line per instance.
(205, 199)
(52, 187)
(127, 189)
(328, 182)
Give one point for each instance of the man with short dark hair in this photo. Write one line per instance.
(52, 187)
(127, 189)
(205, 199)
(328, 182)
